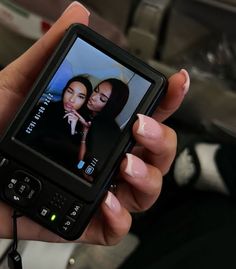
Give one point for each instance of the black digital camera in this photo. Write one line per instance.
(62, 150)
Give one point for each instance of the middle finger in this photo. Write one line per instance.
(157, 141)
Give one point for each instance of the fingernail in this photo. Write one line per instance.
(135, 167)
(148, 127)
(187, 81)
(112, 202)
(76, 3)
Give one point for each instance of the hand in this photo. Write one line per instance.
(140, 175)
(82, 120)
(72, 120)
(73, 117)
(142, 171)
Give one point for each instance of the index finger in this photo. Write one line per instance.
(177, 89)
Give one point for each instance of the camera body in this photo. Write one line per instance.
(39, 177)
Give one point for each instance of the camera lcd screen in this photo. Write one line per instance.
(83, 110)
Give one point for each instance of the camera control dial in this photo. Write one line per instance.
(21, 188)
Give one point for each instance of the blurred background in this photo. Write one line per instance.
(198, 35)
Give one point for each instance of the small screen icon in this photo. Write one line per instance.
(89, 170)
(80, 165)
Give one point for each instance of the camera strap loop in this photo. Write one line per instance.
(14, 258)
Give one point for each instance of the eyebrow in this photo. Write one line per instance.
(103, 94)
(79, 93)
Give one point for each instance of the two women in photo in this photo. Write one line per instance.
(81, 126)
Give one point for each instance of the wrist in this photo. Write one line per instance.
(84, 134)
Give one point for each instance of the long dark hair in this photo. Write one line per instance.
(117, 100)
(85, 81)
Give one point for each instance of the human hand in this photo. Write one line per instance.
(72, 120)
(73, 117)
(85, 124)
(140, 175)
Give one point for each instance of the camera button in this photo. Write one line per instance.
(26, 178)
(3, 161)
(66, 225)
(23, 189)
(44, 212)
(75, 211)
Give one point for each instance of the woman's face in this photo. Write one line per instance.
(74, 96)
(99, 97)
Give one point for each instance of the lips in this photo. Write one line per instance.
(68, 106)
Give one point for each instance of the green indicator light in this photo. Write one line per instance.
(53, 217)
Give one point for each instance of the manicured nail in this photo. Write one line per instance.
(187, 81)
(148, 127)
(76, 3)
(112, 202)
(135, 167)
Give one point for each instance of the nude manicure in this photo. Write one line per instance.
(75, 3)
(187, 81)
(112, 202)
(135, 167)
(148, 127)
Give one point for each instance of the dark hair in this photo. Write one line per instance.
(118, 98)
(85, 81)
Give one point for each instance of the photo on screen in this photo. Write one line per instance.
(80, 116)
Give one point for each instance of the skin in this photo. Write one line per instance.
(96, 103)
(74, 96)
(73, 99)
(99, 97)
(133, 193)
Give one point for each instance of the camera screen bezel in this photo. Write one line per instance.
(38, 164)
